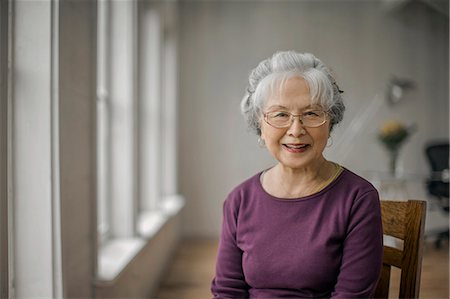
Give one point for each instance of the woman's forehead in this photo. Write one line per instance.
(290, 93)
(291, 87)
(299, 107)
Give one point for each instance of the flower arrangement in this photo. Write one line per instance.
(392, 135)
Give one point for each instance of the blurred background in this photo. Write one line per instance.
(365, 44)
(123, 135)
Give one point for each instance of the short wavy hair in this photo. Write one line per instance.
(272, 73)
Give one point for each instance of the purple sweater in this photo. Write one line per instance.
(326, 245)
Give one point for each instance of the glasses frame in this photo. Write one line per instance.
(300, 118)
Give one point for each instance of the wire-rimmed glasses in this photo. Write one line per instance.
(284, 119)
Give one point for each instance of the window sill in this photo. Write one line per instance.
(116, 254)
(150, 222)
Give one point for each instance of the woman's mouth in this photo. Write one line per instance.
(296, 147)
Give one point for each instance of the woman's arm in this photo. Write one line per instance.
(229, 281)
(362, 250)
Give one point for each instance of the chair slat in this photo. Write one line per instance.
(383, 284)
(394, 218)
(393, 256)
(413, 250)
(404, 220)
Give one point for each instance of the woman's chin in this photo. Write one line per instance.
(295, 163)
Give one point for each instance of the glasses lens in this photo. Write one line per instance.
(313, 118)
(279, 119)
(282, 119)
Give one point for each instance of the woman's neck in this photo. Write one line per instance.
(285, 182)
(311, 172)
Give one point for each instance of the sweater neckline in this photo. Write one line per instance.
(297, 199)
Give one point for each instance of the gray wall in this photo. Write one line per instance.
(364, 42)
(77, 86)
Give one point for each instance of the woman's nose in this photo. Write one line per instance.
(296, 129)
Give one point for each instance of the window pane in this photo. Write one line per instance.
(150, 98)
(103, 140)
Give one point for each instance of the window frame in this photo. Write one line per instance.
(103, 132)
(33, 195)
(4, 98)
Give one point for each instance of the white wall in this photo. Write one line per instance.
(362, 41)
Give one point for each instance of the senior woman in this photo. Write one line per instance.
(306, 227)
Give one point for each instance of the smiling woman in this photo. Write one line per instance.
(306, 227)
(289, 143)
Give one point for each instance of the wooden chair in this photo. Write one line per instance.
(404, 220)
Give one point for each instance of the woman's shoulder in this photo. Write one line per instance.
(250, 185)
(354, 192)
(352, 181)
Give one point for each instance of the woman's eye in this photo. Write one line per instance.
(280, 114)
(311, 114)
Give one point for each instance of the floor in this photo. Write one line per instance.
(192, 269)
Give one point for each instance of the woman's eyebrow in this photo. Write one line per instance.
(277, 106)
(286, 108)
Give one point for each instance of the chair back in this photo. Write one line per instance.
(438, 183)
(403, 220)
(438, 155)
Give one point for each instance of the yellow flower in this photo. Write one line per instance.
(393, 134)
(392, 128)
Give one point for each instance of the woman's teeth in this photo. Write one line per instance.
(296, 146)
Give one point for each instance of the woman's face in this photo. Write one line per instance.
(295, 146)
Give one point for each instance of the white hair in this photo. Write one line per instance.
(271, 74)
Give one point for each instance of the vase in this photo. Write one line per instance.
(393, 159)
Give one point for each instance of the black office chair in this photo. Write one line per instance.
(438, 182)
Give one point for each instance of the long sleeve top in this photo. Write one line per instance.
(326, 245)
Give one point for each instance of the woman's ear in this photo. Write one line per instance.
(330, 126)
(261, 128)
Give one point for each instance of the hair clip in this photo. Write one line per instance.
(337, 87)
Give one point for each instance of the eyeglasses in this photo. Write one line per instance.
(283, 119)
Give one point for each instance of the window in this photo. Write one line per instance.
(116, 136)
(44, 111)
(136, 127)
